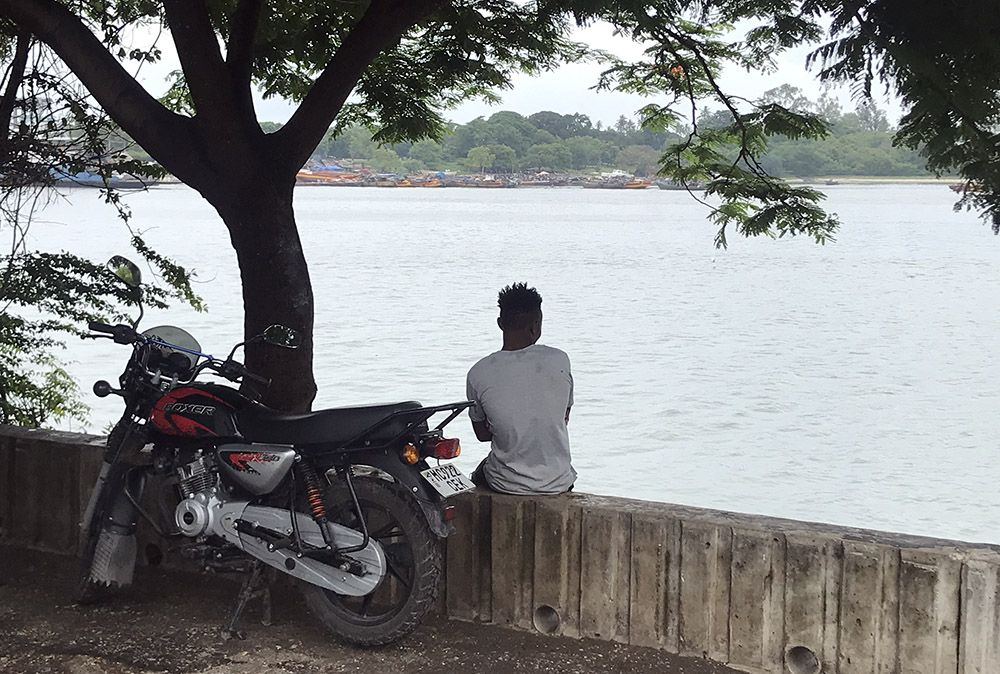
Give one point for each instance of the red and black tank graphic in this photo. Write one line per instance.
(193, 412)
(258, 469)
(242, 462)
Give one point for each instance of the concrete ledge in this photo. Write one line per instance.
(45, 483)
(761, 594)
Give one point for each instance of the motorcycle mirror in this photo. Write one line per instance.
(125, 270)
(279, 335)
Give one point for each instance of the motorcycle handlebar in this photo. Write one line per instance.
(94, 326)
(122, 334)
(230, 369)
(257, 378)
(233, 371)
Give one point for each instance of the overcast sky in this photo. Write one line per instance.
(570, 88)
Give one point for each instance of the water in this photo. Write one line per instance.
(854, 383)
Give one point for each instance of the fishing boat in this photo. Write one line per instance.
(381, 180)
(63, 178)
(636, 184)
(311, 177)
(618, 181)
(490, 183)
(668, 185)
(665, 184)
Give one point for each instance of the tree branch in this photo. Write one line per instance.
(382, 25)
(239, 52)
(167, 136)
(9, 99)
(242, 31)
(198, 51)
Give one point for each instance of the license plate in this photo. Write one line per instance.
(447, 480)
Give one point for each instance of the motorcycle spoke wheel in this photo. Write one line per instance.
(413, 566)
(389, 598)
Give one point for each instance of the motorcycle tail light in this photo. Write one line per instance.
(448, 513)
(446, 448)
(410, 453)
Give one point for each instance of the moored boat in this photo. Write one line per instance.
(63, 178)
(617, 181)
(310, 177)
(491, 183)
(636, 184)
(666, 184)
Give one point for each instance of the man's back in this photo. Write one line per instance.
(525, 395)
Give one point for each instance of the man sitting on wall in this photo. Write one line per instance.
(523, 395)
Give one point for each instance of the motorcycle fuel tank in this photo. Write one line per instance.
(257, 468)
(198, 411)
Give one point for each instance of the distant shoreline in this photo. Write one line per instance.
(821, 181)
(874, 180)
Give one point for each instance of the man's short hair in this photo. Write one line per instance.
(519, 305)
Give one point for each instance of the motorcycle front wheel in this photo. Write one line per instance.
(413, 559)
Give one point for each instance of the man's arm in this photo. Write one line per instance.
(480, 424)
(569, 405)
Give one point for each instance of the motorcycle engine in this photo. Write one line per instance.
(199, 486)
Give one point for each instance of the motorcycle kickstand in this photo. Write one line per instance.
(256, 584)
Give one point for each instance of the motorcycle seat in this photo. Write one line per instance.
(334, 426)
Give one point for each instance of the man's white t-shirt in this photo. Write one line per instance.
(525, 395)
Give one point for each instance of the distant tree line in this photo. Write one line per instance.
(860, 144)
(508, 142)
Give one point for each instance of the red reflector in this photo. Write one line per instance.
(448, 513)
(447, 448)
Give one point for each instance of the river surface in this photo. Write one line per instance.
(855, 383)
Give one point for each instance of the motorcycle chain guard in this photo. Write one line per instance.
(222, 519)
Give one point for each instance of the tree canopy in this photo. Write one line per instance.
(396, 65)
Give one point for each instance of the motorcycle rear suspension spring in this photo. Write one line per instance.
(314, 494)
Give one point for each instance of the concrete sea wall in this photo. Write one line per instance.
(760, 594)
(45, 483)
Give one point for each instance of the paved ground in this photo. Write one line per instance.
(170, 622)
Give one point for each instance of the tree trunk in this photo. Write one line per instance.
(276, 286)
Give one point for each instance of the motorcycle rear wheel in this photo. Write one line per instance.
(413, 558)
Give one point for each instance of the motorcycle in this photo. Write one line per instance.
(342, 500)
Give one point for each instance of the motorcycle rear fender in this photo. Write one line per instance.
(410, 478)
